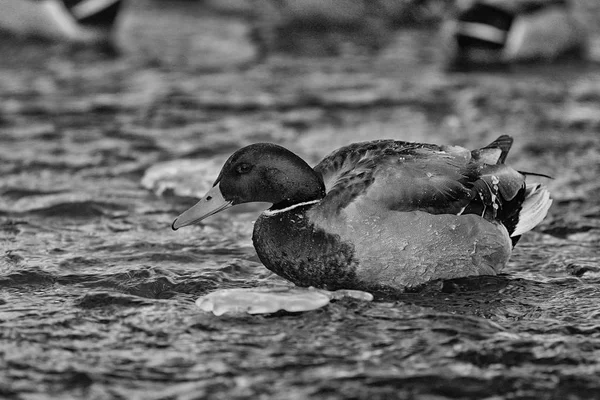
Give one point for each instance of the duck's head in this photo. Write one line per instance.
(261, 172)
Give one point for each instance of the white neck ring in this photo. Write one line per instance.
(270, 213)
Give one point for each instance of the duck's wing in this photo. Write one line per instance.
(349, 171)
(405, 176)
(398, 176)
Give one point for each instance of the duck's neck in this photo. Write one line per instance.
(307, 188)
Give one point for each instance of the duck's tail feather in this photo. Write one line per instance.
(534, 208)
(495, 152)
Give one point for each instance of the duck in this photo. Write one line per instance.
(499, 33)
(381, 214)
(74, 21)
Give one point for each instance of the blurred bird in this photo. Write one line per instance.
(77, 21)
(500, 32)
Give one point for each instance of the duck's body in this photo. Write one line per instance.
(380, 214)
(78, 21)
(379, 249)
(500, 32)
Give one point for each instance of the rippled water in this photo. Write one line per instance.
(98, 155)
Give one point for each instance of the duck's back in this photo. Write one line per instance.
(404, 176)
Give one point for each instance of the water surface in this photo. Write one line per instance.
(98, 155)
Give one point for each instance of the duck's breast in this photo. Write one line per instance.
(290, 245)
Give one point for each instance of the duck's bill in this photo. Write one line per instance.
(212, 203)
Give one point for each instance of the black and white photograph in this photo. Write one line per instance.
(299, 199)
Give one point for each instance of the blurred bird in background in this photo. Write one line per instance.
(76, 21)
(501, 32)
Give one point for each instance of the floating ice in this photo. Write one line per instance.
(273, 299)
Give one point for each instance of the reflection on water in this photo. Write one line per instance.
(98, 293)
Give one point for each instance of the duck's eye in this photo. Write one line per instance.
(243, 168)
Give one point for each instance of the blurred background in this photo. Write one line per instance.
(113, 122)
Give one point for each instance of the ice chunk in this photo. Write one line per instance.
(272, 299)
